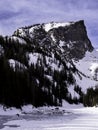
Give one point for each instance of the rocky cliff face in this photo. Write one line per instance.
(71, 37)
(75, 39)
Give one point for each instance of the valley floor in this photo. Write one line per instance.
(69, 118)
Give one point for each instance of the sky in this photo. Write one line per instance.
(19, 13)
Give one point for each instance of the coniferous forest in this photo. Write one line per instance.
(24, 84)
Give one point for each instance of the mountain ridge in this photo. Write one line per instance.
(40, 64)
(73, 34)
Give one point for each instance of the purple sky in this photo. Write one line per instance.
(17, 13)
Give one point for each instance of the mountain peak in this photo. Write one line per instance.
(72, 34)
(51, 25)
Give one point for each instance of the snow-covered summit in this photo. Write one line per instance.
(72, 34)
(49, 26)
(45, 26)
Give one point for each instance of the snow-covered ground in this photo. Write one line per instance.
(68, 117)
(87, 66)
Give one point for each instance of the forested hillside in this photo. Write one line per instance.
(36, 64)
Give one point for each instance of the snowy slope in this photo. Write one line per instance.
(87, 66)
(89, 63)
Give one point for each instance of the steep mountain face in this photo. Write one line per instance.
(71, 37)
(39, 64)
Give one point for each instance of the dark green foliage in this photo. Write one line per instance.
(91, 97)
(37, 84)
(14, 86)
(1, 40)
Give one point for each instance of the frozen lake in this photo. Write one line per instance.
(51, 119)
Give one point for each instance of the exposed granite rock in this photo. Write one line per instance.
(74, 36)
